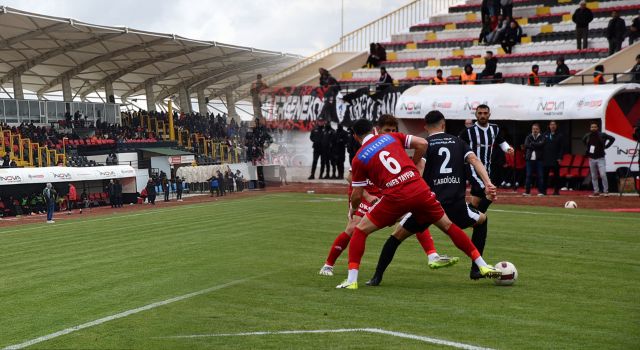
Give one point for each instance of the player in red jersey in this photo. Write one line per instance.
(386, 124)
(383, 161)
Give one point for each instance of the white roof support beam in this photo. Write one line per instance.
(102, 58)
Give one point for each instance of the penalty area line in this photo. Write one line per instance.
(421, 338)
(126, 313)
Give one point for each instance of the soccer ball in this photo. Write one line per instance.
(509, 274)
(570, 205)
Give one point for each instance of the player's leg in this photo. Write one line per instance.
(356, 250)
(389, 250)
(479, 237)
(339, 245)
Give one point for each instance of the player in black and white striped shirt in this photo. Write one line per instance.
(482, 137)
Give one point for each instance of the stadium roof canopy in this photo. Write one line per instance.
(46, 52)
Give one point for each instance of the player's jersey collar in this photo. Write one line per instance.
(481, 127)
(367, 138)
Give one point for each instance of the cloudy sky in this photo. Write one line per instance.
(293, 26)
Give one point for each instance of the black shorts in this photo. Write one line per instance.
(460, 213)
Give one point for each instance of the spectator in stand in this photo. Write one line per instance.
(597, 142)
(385, 81)
(468, 77)
(13, 164)
(634, 30)
(486, 30)
(552, 156)
(50, 195)
(512, 36)
(6, 160)
(635, 71)
(490, 66)
(615, 33)
(493, 7)
(316, 140)
(534, 78)
(332, 88)
(534, 143)
(382, 52)
(72, 197)
(256, 88)
(498, 27)
(179, 188)
(562, 72)
(598, 75)
(507, 8)
(439, 79)
(373, 60)
(582, 17)
(151, 192)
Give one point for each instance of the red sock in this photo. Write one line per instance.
(341, 242)
(356, 248)
(462, 241)
(426, 241)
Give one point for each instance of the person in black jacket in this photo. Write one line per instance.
(385, 81)
(562, 72)
(634, 30)
(332, 88)
(582, 17)
(490, 66)
(534, 145)
(635, 71)
(179, 188)
(616, 31)
(512, 36)
(221, 184)
(328, 136)
(552, 155)
(597, 142)
(316, 139)
(341, 142)
(151, 192)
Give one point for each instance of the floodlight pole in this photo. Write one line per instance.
(342, 26)
(172, 134)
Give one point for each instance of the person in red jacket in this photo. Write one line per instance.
(72, 197)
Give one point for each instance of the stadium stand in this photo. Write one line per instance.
(449, 41)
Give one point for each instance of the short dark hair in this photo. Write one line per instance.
(433, 117)
(535, 66)
(484, 106)
(490, 52)
(440, 70)
(362, 127)
(387, 119)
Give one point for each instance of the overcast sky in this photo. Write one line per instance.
(292, 26)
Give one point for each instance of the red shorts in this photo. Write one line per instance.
(424, 206)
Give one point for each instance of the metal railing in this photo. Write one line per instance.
(380, 30)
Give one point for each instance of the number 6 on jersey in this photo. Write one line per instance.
(389, 162)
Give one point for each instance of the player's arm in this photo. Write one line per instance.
(504, 145)
(419, 147)
(490, 188)
(356, 198)
(421, 165)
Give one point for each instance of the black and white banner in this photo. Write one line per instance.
(306, 103)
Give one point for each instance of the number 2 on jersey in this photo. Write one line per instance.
(389, 162)
(447, 158)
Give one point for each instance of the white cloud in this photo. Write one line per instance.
(293, 26)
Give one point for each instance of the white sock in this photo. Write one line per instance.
(353, 276)
(480, 261)
(433, 257)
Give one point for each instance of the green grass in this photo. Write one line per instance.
(578, 285)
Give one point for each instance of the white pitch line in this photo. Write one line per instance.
(341, 330)
(125, 314)
(563, 214)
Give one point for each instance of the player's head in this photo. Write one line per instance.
(483, 112)
(468, 123)
(361, 128)
(434, 122)
(387, 123)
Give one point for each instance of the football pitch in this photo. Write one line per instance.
(243, 274)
